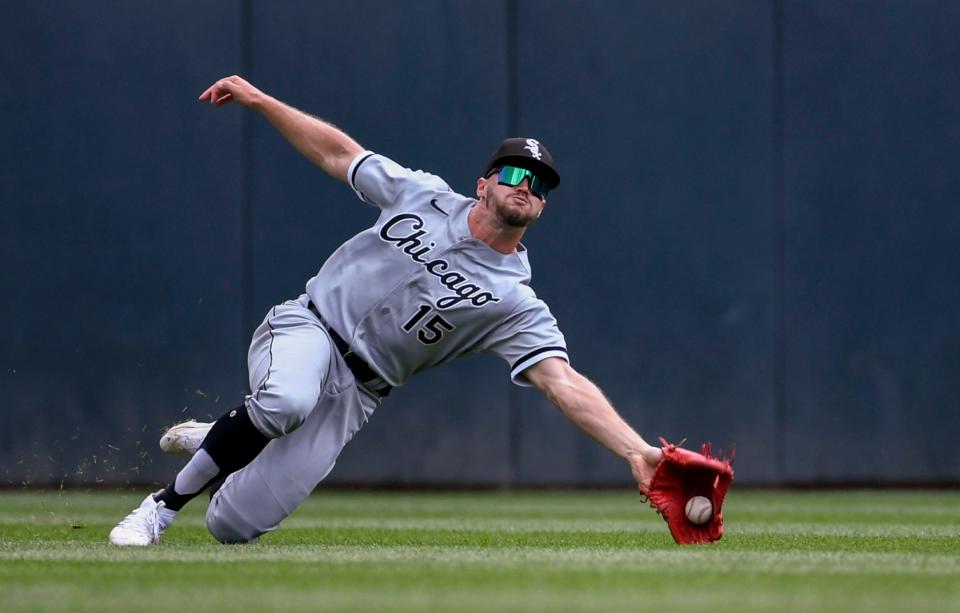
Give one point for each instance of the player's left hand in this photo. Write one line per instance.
(682, 475)
(644, 465)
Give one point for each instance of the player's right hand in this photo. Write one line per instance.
(231, 88)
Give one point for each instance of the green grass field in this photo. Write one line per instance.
(528, 551)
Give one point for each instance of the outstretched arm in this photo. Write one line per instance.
(584, 404)
(322, 143)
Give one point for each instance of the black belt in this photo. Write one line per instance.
(361, 370)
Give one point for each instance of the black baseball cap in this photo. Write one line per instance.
(526, 153)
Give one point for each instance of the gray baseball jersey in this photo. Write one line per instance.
(413, 291)
(417, 290)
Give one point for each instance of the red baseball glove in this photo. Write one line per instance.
(681, 475)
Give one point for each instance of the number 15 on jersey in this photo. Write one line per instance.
(432, 330)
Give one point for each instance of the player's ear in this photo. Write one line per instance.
(481, 186)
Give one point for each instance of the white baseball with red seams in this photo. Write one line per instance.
(699, 510)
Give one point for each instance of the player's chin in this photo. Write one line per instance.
(520, 215)
(518, 219)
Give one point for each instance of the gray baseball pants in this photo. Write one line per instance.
(307, 400)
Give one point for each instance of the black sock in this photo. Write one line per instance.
(174, 501)
(232, 443)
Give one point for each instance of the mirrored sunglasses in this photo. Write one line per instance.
(512, 176)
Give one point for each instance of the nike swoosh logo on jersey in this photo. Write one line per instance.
(433, 203)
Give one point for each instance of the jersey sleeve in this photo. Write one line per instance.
(380, 181)
(528, 336)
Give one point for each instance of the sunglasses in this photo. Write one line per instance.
(513, 176)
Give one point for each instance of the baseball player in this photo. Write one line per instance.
(438, 276)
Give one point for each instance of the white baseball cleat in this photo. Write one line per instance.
(144, 525)
(185, 437)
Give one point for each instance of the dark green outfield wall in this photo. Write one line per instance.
(756, 239)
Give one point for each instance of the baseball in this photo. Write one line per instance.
(699, 510)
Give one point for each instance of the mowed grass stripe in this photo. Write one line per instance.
(21, 537)
(401, 587)
(647, 523)
(677, 560)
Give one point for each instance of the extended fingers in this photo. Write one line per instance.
(213, 93)
(216, 92)
(225, 90)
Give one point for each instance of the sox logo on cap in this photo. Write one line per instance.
(534, 147)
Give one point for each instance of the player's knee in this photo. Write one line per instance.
(295, 408)
(229, 530)
(298, 405)
(284, 413)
